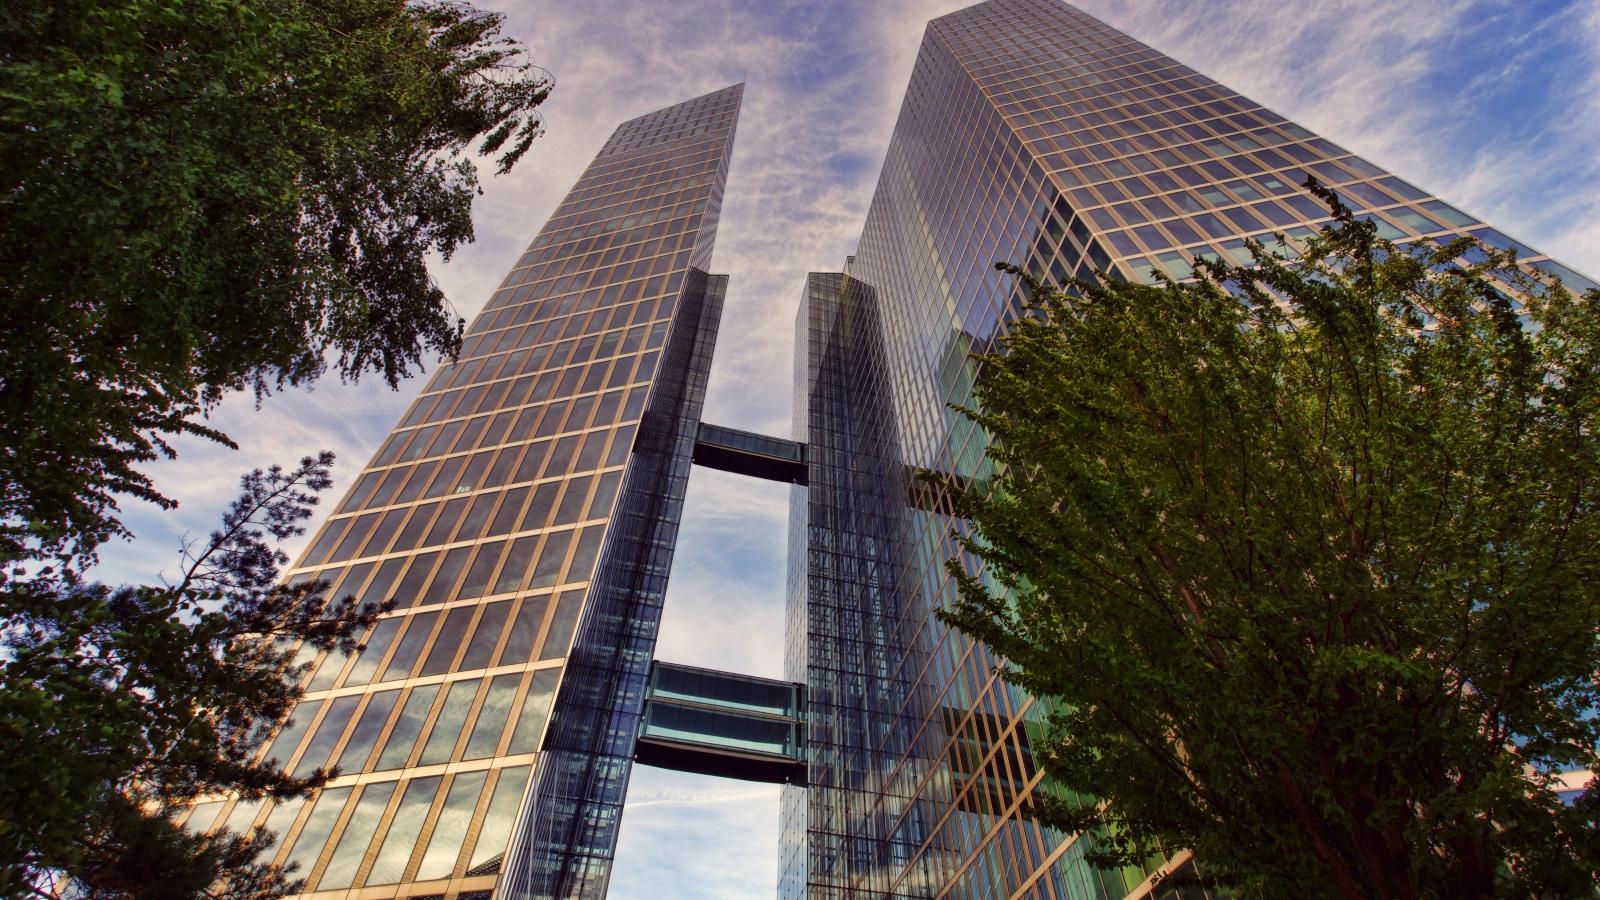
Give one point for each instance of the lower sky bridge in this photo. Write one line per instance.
(719, 723)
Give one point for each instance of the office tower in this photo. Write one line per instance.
(521, 518)
(1034, 134)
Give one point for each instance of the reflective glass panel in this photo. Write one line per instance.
(502, 811)
(308, 846)
(346, 859)
(447, 728)
(404, 736)
(451, 828)
(492, 717)
(392, 857)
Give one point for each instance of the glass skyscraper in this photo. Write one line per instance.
(1034, 134)
(521, 517)
(522, 514)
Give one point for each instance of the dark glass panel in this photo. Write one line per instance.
(327, 735)
(354, 537)
(583, 557)
(491, 721)
(415, 526)
(447, 727)
(562, 624)
(561, 457)
(502, 812)
(510, 511)
(532, 461)
(418, 480)
(448, 832)
(357, 496)
(378, 590)
(516, 565)
(410, 646)
(346, 859)
(535, 708)
(410, 588)
(390, 864)
(477, 516)
(551, 558)
(440, 589)
(314, 834)
(482, 569)
(347, 587)
(574, 501)
(538, 514)
(484, 637)
(524, 630)
(283, 746)
(448, 519)
(372, 654)
(443, 482)
(356, 751)
(397, 749)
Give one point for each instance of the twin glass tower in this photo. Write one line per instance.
(522, 514)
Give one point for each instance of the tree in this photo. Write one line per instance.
(204, 196)
(1305, 555)
(124, 704)
(200, 197)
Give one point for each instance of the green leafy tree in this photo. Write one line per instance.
(124, 704)
(203, 196)
(200, 197)
(1306, 555)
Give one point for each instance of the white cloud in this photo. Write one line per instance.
(696, 836)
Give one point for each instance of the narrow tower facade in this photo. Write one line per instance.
(521, 518)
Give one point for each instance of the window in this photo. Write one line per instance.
(492, 717)
(440, 859)
(442, 741)
(308, 846)
(390, 863)
(358, 832)
(289, 738)
(410, 647)
(562, 625)
(203, 816)
(278, 822)
(502, 811)
(535, 706)
(327, 735)
(486, 635)
(368, 727)
(398, 748)
(449, 639)
(525, 630)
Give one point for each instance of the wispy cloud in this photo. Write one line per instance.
(696, 836)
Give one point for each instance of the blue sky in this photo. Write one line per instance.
(1493, 105)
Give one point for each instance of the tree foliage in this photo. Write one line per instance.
(123, 704)
(1306, 554)
(203, 196)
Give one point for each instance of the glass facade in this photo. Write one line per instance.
(520, 517)
(1034, 134)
